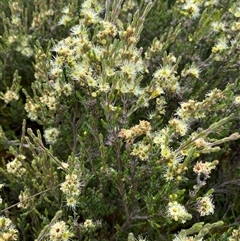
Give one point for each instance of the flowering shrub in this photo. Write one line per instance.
(123, 129)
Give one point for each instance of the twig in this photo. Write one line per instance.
(35, 195)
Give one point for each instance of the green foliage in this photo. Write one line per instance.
(124, 113)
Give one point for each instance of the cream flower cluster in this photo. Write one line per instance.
(93, 64)
(7, 230)
(166, 77)
(25, 199)
(51, 135)
(71, 189)
(205, 206)
(16, 166)
(141, 150)
(10, 96)
(190, 8)
(204, 167)
(32, 109)
(143, 128)
(182, 237)
(178, 212)
(193, 110)
(11, 93)
(235, 235)
(59, 231)
(193, 70)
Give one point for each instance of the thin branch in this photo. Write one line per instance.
(35, 195)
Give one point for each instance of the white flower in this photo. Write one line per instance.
(192, 8)
(57, 230)
(164, 72)
(64, 20)
(79, 30)
(67, 89)
(180, 126)
(9, 96)
(203, 168)
(66, 10)
(178, 212)
(88, 224)
(51, 135)
(237, 100)
(13, 166)
(205, 206)
(220, 45)
(218, 26)
(71, 202)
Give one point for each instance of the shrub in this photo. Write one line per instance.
(133, 107)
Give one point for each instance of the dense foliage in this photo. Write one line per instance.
(119, 120)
